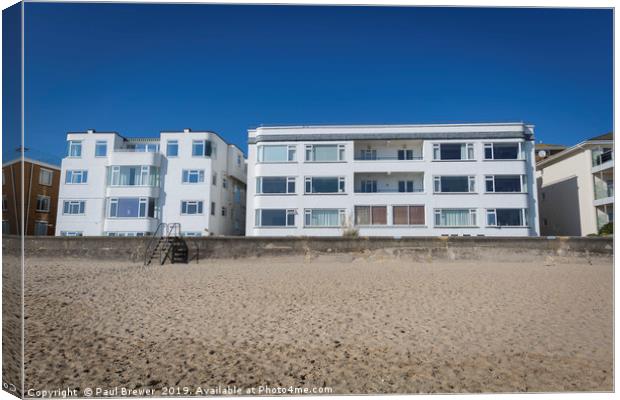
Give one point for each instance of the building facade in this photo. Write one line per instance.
(576, 188)
(117, 186)
(40, 197)
(392, 180)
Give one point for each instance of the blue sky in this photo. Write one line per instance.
(139, 69)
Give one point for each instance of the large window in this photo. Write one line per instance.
(45, 177)
(275, 184)
(75, 148)
(505, 183)
(139, 175)
(201, 148)
(370, 215)
(101, 148)
(172, 148)
(43, 203)
(73, 207)
(453, 151)
(315, 185)
(40, 228)
(368, 154)
(277, 153)
(507, 217)
(503, 151)
(455, 217)
(324, 218)
(275, 217)
(325, 152)
(131, 207)
(76, 176)
(193, 176)
(192, 207)
(454, 184)
(408, 215)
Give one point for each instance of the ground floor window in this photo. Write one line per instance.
(507, 217)
(40, 228)
(275, 217)
(408, 215)
(73, 207)
(191, 234)
(324, 217)
(370, 215)
(70, 233)
(131, 207)
(127, 234)
(455, 217)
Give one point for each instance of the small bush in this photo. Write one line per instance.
(607, 229)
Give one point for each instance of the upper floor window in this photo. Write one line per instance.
(505, 183)
(172, 148)
(324, 217)
(191, 207)
(325, 152)
(459, 217)
(407, 154)
(43, 203)
(277, 153)
(139, 175)
(4, 203)
(75, 148)
(453, 151)
(45, 177)
(601, 155)
(201, 148)
(238, 160)
(454, 184)
(76, 176)
(503, 151)
(368, 154)
(224, 183)
(101, 148)
(193, 176)
(507, 217)
(73, 207)
(368, 186)
(144, 147)
(275, 184)
(275, 217)
(131, 207)
(214, 179)
(324, 184)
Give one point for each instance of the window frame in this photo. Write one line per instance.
(143, 208)
(51, 176)
(371, 209)
(188, 173)
(409, 206)
(470, 151)
(288, 213)
(42, 197)
(172, 143)
(288, 181)
(71, 173)
(98, 145)
(71, 145)
(473, 218)
(490, 179)
(340, 152)
(39, 222)
(341, 182)
(471, 184)
(80, 203)
(185, 204)
(491, 146)
(308, 217)
(523, 214)
(291, 153)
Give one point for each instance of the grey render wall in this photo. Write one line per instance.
(526, 249)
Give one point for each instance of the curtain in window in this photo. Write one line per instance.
(401, 216)
(324, 218)
(379, 215)
(325, 153)
(463, 152)
(416, 215)
(362, 215)
(455, 218)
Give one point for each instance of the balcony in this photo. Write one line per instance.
(603, 187)
(129, 157)
(602, 159)
(385, 183)
(387, 155)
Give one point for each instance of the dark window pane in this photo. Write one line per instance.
(454, 184)
(273, 218)
(324, 185)
(489, 186)
(401, 154)
(505, 151)
(127, 208)
(401, 186)
(488, 153)
(274, 185)
(508, 183)
(509, 217)
(450, 151)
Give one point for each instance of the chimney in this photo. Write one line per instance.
(186, 130)
(90, 131)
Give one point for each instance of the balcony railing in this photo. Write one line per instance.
(385, 190)
(603, 158)
(386, 158)
(602, 191)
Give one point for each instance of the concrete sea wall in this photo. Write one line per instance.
(419, 249)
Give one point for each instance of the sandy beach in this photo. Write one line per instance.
(354, 325)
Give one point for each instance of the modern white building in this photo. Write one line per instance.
(576, 188)
(392, 180)
(117, 186)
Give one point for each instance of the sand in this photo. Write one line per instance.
(353, 325)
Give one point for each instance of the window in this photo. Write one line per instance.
(224, 183)
(325, 152)
(73, 207)
(201, 148)
(407, 187)
(454, 184)
(101, 148)
(275, 184)
(45, 177)
(408, 215)
(214, 179)
(144, 147)
(453, 151)
(455, 217)
(324, 218)
(277, 153)
(368, 154)
(139, 175)
(131, 207)
(503, 151)
(324, 185)
(127, 234)
(43, 203)
(505, 183)
(5, 227)
(40, 228)
(172, 148)
(275, 217)
(76, 176)
(405, 154)
(70, 233)
(193, 176)
(507, 217)
(212, 208)
(368, 186)
(223, 211)
(4, 203)
(238, 160)
(191, 234)
(370, 215)
(191, 207)
(75, 148)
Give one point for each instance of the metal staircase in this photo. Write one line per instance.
(166, 244)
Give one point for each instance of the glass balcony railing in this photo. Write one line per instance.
(385, 158)
(602, 158)
(603, 190)
(388, 190)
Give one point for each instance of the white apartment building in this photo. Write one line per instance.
(117, 186)
(576, 188)
(392, 180)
